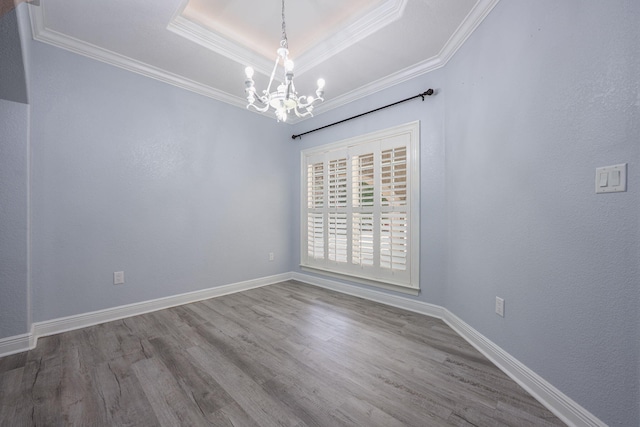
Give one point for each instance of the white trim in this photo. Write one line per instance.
(20, 343)
(343, 38)
(371, 22)
(363, 280)
(54, 38)
(466, 28)
(380, 84)
(544, 392)
(64, 324)
(553, 399)
(372, 295)
(16, 344)
(473, 19)
(219, 44)
(309, 57)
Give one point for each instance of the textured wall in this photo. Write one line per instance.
(539, 96)
(13, 218)
(542, 94)
(14, 175)
(13, 82)
(180, 192)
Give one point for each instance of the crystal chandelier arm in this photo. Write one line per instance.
(307, 101)
(260, 109)
(308, 113)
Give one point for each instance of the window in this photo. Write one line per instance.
(360, 208)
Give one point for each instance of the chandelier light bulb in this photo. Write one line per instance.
(249, 72)
(321, 83)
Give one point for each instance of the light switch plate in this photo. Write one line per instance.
(611, 179)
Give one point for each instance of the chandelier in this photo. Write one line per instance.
(285, 98)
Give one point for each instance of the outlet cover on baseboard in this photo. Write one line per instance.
(500, 306)
(118, 277)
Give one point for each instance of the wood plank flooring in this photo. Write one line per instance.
(284, 355)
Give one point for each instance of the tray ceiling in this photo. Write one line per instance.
(359, 47)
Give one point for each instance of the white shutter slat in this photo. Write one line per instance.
(362, 167)
(363, 242)
(337, 237)
(315, 236)
(315, 185)
(393, 240)
(337, 183)
(394, 177)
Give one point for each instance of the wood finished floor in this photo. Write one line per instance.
(283, 355)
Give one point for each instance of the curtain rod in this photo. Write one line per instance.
(428, 92)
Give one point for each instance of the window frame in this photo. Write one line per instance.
(406, 281)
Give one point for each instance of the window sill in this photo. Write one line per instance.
(362, 280)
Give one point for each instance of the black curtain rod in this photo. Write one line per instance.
(429, 92)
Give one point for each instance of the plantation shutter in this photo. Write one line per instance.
(361, 207)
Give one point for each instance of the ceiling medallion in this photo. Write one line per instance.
(285, 98)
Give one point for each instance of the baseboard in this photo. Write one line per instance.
(20, 343)
(557, 402)
(372, 295)
(16, 344)
(553, 399)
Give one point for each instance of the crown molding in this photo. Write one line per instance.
(339, 40)
(398, 77)
(219, 44)
(42, 34)
(351, 34)
(363, 27)
(466, 28)
(455, 42)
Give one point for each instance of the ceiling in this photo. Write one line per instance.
(359, 47)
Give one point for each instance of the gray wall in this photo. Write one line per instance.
(180, 192)
(14, 174)
(542, 94)
(13, 219)
(539, 96)
(13, 81)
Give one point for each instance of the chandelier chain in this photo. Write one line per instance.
(284, 42)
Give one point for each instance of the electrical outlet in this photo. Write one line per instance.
(271, 256)
(118, 277)
(500, 306)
